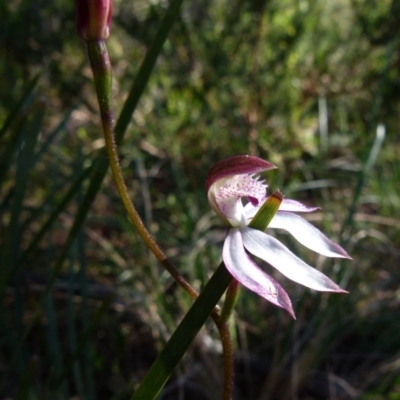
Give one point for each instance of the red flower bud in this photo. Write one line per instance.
(93, 18)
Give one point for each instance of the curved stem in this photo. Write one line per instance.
(102, 73)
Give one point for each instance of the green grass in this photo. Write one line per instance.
(86, 311)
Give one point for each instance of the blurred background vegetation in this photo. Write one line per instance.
(304, 84)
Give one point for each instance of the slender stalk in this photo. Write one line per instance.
(231, 297)
(102, 73)
(227, 351)
(99, 168)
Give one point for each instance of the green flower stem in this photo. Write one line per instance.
(102, 74)
(100, 166)
(231, 297)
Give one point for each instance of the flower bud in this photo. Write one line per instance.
(93, 18)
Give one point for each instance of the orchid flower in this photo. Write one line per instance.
(233, 179)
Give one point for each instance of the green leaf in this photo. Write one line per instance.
(267, 211)
(181, 339)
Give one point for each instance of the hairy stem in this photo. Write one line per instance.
(102, 73)
(231, 297)
(227, 350)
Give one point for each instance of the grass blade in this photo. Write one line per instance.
(146, 68)
(25, 98)
(181, 339)
(13, 234)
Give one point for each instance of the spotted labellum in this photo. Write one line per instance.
(232, 180)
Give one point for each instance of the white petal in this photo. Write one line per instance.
(286, 205)
(279, 256)
(245, 271)
(295, 206)
(307, 234)
(250, 210)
